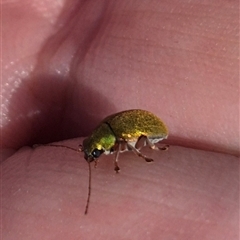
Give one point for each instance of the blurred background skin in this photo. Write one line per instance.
(67, 65)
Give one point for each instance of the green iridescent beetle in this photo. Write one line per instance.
(123, 131)
(127, 130)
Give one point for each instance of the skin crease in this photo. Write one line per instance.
(65, 67)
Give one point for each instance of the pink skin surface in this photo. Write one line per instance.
(66, 65)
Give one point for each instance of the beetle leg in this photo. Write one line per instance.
(118, 148)
(153, 146)
(80, 148)
(164, 148)
(137, 152)
(95, 163)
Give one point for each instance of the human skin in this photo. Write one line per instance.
(68, 65)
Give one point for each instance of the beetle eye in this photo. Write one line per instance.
(96, 153)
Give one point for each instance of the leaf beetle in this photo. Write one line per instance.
(123, 131)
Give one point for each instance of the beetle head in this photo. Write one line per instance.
(101, 140)
(91, 152)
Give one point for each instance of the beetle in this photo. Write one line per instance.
(123, 131)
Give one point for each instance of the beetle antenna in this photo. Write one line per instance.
(89, 187)
(57, 145)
